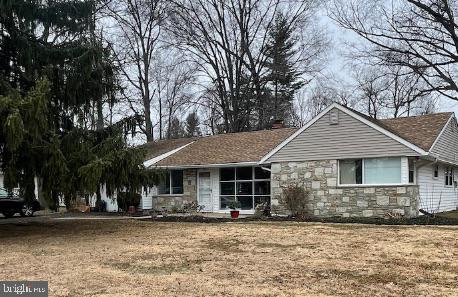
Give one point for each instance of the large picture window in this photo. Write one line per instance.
(171, 183)
(370, 171)
(248, 185)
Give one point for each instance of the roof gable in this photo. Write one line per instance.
(339, 133)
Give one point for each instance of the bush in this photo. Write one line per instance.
(126, 199)
(233, 205)
(295, 198)
(101, 206)
(262, 210)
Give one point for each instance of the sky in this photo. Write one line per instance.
(341, 36)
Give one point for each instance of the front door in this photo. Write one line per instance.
(205, 190)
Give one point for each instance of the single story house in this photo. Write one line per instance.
(351, 165)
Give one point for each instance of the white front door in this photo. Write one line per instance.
(205, 190)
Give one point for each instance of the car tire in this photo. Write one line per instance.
(8, 213)
(27, 210)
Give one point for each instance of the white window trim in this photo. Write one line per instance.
(434, 170)
(363, 185)
(169, 172)
(408, 173)
(453, 176)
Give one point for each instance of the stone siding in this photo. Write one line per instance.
(177, 201)
(326, 199)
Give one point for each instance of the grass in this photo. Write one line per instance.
(450, 214)
(135, 258)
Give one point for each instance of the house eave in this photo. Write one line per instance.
(214, 165)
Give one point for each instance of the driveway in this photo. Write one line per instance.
(17, 219)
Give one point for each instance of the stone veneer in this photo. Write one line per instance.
(327, 199)
(177, 201)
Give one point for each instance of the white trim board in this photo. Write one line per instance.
(150, 162)
(352, 114)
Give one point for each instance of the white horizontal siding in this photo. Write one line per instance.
(145, 204)
(434, 195)
(350, 138)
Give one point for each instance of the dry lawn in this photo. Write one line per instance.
(134, 258)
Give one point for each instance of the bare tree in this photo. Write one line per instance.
(227, 41)
(173, 78)
(372, 89)
(134, 35)
(419, 35)
(310, 102)
(407, 92)
(391, 91)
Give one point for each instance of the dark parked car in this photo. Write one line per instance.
(11, 203)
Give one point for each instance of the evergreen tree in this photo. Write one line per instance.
(175, 129)
(282, 79)
(54, 75)
(192, 125)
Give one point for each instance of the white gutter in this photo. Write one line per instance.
(240, 164)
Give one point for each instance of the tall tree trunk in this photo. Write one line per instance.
(100, 124)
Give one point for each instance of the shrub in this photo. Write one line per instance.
(126, 199)
(101, 206)
(233, 205)
(262, 210)
(295, 198)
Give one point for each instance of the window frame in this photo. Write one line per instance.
(449, 173)
(363, 184)
(411, 167)
(436, 169)
(170, 193)
(253, 181)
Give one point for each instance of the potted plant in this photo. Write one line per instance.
(234, 206)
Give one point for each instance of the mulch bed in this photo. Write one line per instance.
(423, 220)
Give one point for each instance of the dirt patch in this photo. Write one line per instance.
(145, 258)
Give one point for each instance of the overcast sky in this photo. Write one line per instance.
(341, 36)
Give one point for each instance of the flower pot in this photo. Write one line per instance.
(235, 214)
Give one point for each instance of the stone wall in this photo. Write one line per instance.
(177, 201)
(326, 199)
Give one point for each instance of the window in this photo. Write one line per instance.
(172, 183)
(436, 171)
(370, 171)
(411, 172)
(248, 185)
(351, 172)
(449, 176)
